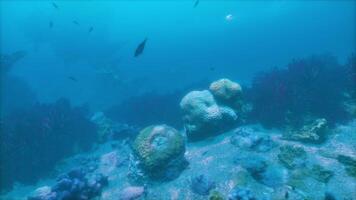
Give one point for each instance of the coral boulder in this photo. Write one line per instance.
(203, 117)
(227, 92)
(160, 151)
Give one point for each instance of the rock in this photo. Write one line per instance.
(255, 165)
(108, 163)
(274, 176)
(160, 152)
(320, 173)
(215, 195)
(201, 185)
(314, 132)
(249, 139)
(292, 156)
(43, 193)
(131, 193)
(329, 196)
(349, 163)
(239, 193)
(227, 93)
(203, 117)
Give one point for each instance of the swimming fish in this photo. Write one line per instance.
(50, 24)
(140, 48)
(196, 3)
(72, 78)
(229, 17)
(55, 5)
(76, 22)
(91, 29)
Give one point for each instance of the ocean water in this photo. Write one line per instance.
(97, 102)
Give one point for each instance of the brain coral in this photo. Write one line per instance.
(157, 147)
(227, 92)
(203, 117)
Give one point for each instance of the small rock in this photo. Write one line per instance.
(201, 185)
(131, 193)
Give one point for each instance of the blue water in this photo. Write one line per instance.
(72, 85)
(183, 42)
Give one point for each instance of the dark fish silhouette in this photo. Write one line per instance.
(72, 78)
(55, 5)
(50, 24)
(91, 29)
(76, 22)
(140, 48)
(196, 3)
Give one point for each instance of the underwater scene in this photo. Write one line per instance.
(178, 100)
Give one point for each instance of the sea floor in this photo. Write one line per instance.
(230, 160)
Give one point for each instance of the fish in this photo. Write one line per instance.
(75, 22)
(140, 48)
(50, 24)
(55, 5)
(91, 29)
(196, 3)
(72, 78)
(229, 17)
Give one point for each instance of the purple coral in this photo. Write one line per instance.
(312, 86)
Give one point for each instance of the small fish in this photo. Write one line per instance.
(212, 68)
(140, 48)
(229, 17)
(196, 3)
(75, 22)
(55, 5)
(91, 29)
(50, 24)
(72, 78)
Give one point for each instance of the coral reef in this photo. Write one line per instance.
(110, 130)
(292, 156)
(250, 139)
(203, 117)
(313, 86)
(315, 132)
(39, 137)
(227, 92)
(160, 151)
(72, 185)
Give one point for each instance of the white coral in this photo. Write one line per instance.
(202, 115)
